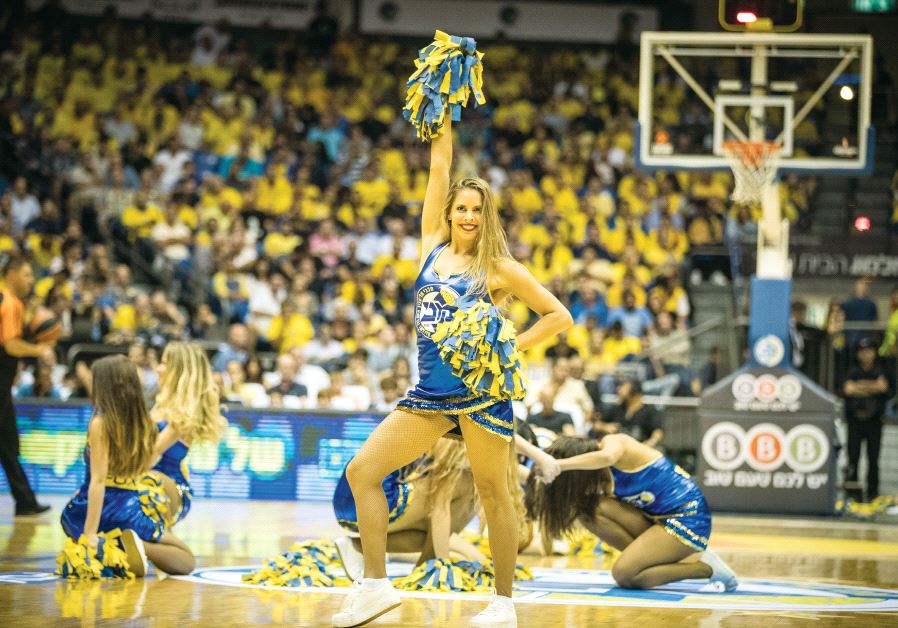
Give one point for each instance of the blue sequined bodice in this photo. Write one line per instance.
(436, 379)
(658, 488)
(172, 461)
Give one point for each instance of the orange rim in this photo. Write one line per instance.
(751, 153)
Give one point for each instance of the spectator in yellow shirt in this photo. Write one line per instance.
(140, 218)
(290, 329)
(373, 190)
(274, 194)
(279, 244)
(406, 270)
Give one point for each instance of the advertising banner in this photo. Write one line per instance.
(265, 454)
(768, 444)
(286, 14)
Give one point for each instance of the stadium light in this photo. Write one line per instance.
(846, 92)
(746, 17)
(862, 223)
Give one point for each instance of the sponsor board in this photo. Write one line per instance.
(766, 392)
(775, 458)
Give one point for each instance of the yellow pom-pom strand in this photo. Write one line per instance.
(77, 560)
(448, 72)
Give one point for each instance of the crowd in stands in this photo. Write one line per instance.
(266, 198)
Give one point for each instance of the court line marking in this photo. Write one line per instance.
(596, 588)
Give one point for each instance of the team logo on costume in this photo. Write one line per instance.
(597, 588)
(769, 350)
(431, 308)
(726, 446)
(642, 500)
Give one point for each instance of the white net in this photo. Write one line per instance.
(754, 167)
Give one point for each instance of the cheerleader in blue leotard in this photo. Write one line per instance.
(469, 372)
(119, 499)
(636, 500)
(187, 410)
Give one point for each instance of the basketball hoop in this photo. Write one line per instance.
(754, 166)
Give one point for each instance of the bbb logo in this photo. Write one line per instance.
(765, 447)
(431, 308)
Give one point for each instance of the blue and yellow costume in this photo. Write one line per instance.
(174, 465)
(668, 495)
(397, 489)
(137, 503)
(451, 325)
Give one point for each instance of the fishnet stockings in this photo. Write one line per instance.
(490, 457)
(399, 440)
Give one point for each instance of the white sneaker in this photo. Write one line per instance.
(695, 277)
(363, 605)
(352, 559)
(720, 571)
(500, 612)
(137, 556)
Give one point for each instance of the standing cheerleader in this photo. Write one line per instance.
(187, 410)
(118, 493)
(466, 271)
(637, 501)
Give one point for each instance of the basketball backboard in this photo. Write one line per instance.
(809, 93)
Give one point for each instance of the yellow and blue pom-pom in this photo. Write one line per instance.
(447, 576)
(479, 344)
(483, 544)
(584, 544)
(448, 72)
(313, 563)
(108, 560)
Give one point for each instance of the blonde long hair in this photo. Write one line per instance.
(127, 429)
(188, 397)
(448, 459)
(492, 245)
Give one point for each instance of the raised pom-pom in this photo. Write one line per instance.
(313, 563)
(448, 72)
(478, 343)
(77, 560)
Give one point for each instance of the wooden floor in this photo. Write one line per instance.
(229, 533)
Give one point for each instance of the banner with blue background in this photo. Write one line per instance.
(265, 454)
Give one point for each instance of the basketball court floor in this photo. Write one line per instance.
(793, 572)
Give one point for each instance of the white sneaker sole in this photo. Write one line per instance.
(370, 619)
